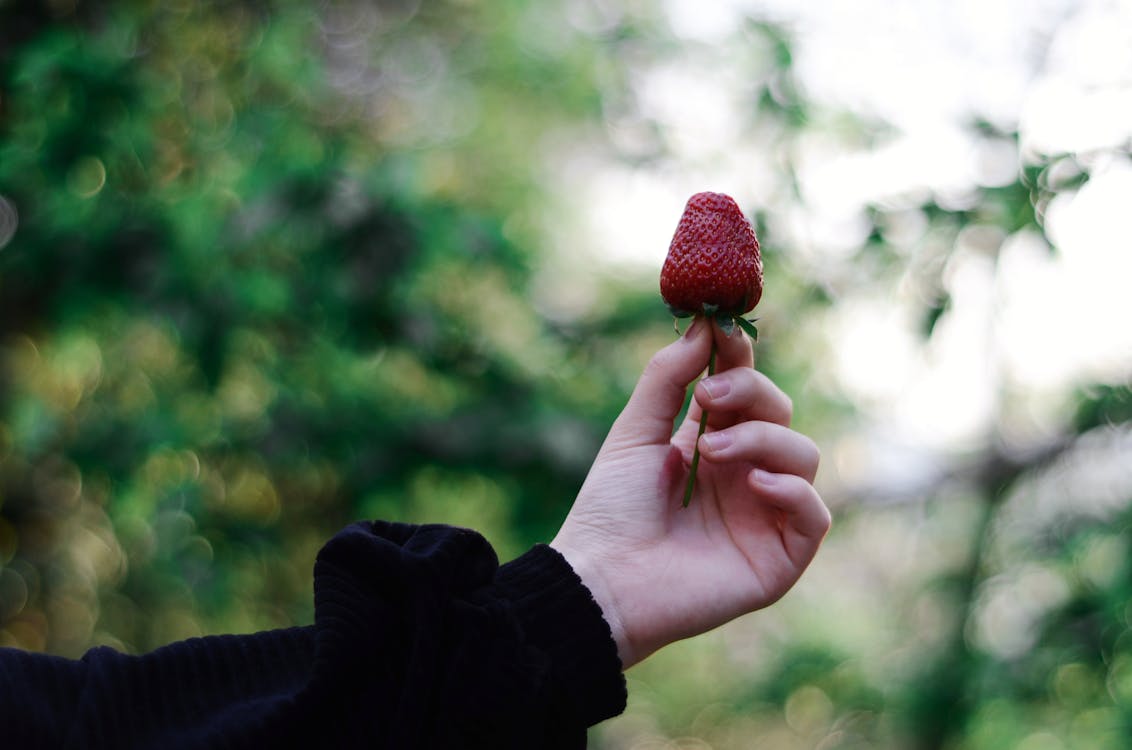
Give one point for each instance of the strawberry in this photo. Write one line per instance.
(713, 263)
(713, 269)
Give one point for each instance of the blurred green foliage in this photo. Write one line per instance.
(268, 267)
(234, 318)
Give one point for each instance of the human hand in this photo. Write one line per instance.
(661, 572)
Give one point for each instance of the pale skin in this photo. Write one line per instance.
(661, 572)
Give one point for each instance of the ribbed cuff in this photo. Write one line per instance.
(561, 618)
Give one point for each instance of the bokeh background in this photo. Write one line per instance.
(270, 267)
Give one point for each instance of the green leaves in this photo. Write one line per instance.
(748, 327)
(725, 321)
(289, 299)
(677, 312)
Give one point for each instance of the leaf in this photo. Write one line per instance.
(748, 326)
(678, 313)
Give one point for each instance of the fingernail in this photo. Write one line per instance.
(693, 329)
(716, 387)
(716, 441)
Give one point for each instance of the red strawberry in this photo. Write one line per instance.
(713, 260)
(713, 268)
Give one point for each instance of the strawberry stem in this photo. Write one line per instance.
(703, 426)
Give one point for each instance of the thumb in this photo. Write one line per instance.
(659, 395)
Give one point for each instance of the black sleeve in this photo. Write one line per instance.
(420, 640)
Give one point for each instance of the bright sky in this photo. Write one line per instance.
(1058, 70)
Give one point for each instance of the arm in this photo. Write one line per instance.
(421, 640)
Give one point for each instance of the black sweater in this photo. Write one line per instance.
(421, 640)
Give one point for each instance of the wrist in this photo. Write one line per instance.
(592, 575)
(559, 619)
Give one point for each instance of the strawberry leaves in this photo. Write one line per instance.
(748, 327)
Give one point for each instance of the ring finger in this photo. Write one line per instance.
(765, 444)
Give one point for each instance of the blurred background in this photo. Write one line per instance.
(270, 267)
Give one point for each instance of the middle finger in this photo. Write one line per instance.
(746, 394)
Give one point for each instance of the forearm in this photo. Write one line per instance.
(176, 696)
(420, 640)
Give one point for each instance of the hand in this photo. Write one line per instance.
(661, 572)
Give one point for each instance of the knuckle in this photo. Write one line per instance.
(814, 449)
(782, 403)
(787, 409)
(657, 364)
(825, 519)
(814, 454)
(658, 369)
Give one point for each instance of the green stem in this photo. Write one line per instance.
(703, 426)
